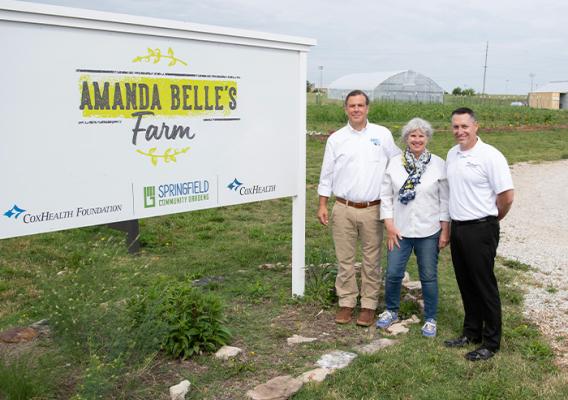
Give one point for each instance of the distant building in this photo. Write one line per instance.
(553, 96)
(403, 86)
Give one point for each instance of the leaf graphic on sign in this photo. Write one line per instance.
(169, 155)
(158, 55)
(153, 158)
(155, 55)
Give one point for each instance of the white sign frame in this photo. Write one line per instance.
(292, 50)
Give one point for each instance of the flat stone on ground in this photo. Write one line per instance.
(396, 329)
(315, 375)
(18, 335)
(226, 352)
(178, 392)
(336, 359)
(375, 346)
(279, 388)
(410, 297)
(208, 280)
(297, 339)
(412, 320)
(421, 305)
(412, 285)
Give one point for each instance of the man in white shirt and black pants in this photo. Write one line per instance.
(354, 162)
(481, 194)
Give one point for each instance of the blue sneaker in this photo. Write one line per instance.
(429, 328)
(386, 319)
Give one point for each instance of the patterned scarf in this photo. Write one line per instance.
(415, 169)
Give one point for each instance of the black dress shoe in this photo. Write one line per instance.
(481, 354)
(459, 342)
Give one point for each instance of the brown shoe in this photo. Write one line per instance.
(366, 317)
(343, 315)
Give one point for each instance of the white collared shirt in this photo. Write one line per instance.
(476, 176)
(420, 217)
(354, 162)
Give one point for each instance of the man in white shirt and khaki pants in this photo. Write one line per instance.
(353, 166)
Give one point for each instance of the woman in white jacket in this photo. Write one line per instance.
(414, 208)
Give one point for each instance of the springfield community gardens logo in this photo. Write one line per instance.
(245, 190)
(20, 214)
(108, 97)
(176, 193)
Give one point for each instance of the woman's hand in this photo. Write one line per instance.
(393, 234)
(444, 234)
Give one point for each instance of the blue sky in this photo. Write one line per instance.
(442, 39)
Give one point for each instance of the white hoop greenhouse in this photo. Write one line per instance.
(403, 86)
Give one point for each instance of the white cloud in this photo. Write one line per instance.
(440, 38)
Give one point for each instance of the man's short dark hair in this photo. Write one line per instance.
(356, 92)
(465, 110)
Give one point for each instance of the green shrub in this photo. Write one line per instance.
(522, 331)
(408, 308)
(186, 320)
(320, 284)
(537, 350)
(24, 378)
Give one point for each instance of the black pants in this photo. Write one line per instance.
(474, 246)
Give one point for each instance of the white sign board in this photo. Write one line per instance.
(107, 117)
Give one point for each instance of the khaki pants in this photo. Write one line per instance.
(350, 224)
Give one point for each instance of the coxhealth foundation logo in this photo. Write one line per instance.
(46, 216)
(245, 190)
(15, 212)
(176, 193)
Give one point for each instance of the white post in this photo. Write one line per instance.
(299, 201)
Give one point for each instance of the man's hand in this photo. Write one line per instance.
(323, 216)
(504, 202)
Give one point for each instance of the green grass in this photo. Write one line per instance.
(491, 114)
(81, 281)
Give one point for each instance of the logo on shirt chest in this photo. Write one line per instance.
(375, 141)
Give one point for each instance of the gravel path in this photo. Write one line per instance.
(535, 232)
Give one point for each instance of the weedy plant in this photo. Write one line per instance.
(187, 320)
(320, 284)
(18, 380)
(516, 265)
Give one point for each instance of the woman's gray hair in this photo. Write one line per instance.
(417, 124)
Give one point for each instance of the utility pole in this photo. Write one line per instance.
(532, 75)
(485, 67)
(320, 91)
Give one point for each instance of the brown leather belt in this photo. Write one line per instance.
(358, 205)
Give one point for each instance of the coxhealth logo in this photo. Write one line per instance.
(234, 185)
(15, 212)
(45, 216)
(245, 190)
(176, 193)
